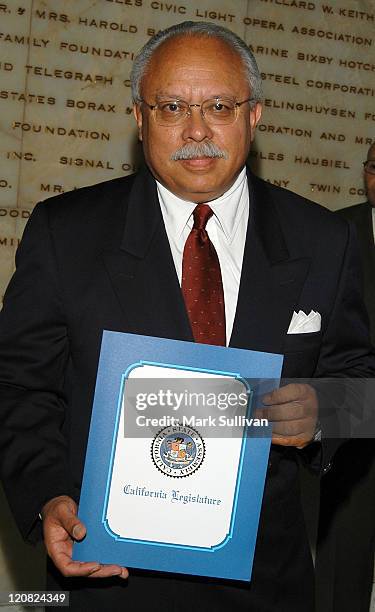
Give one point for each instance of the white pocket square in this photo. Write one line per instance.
(302, 323)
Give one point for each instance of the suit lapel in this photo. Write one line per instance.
(144, 279)
(142, 270)
(271, 281)
(362, 216)
(365, 233)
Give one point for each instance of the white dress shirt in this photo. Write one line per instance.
(226, 229)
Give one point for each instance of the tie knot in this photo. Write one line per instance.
(201, 214)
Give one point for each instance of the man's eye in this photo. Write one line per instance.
(171, 107)
(221, 107)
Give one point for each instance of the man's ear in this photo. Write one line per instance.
(138, 117)
(255, 115)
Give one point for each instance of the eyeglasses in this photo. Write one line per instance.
(369, 166)
(216, 111)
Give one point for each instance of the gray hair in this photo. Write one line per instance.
(196, 28)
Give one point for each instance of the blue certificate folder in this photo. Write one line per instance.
(180, 492)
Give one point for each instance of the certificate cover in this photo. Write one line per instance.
(175, 463)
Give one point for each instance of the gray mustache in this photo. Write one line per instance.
(196, 150)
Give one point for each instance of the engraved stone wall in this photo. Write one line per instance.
(65, 104)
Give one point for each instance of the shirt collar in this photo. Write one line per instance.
(226, 208)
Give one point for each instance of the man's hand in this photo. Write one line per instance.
(61, 526)
(293, 411)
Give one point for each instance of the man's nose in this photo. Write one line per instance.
(195, 126)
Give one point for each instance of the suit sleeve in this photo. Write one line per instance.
(346, 348)
(33, 358)
(346, 365)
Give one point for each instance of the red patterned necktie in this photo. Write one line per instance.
(202, 286)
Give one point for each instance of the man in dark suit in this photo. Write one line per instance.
(113, 256)
(346, 538)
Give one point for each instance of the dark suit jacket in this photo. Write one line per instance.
(99, 258)
(361, 216)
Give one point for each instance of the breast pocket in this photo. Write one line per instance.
(301, 353)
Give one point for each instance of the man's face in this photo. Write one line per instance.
(194, 69)
(370, 178)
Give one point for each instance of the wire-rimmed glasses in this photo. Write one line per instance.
(369, 166)
(215, 111)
